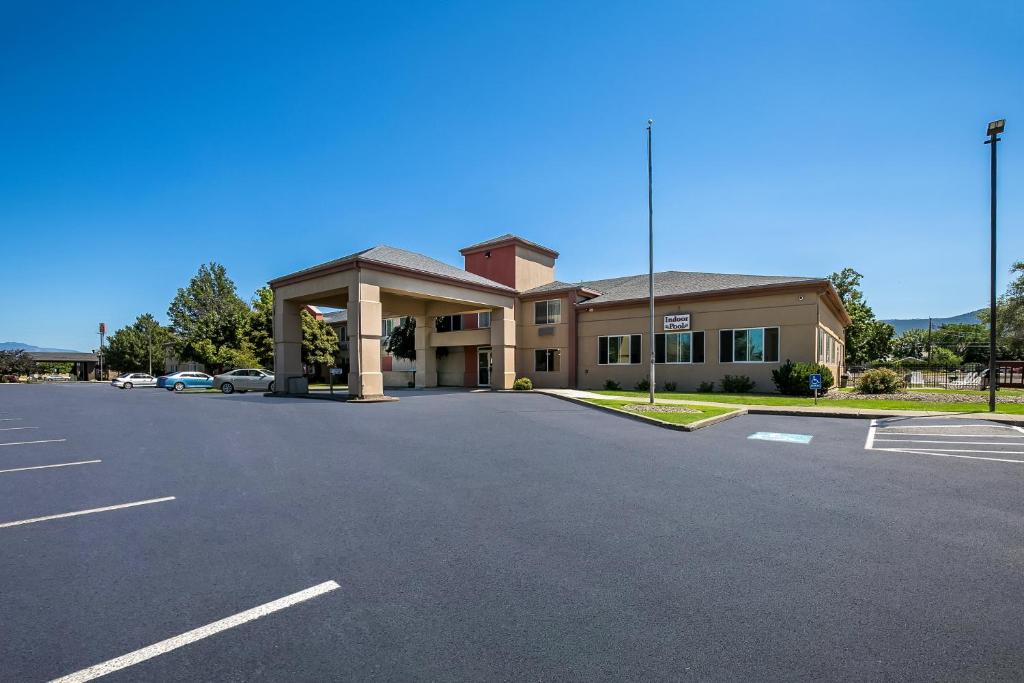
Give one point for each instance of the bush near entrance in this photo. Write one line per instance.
(794, 379)
(879, 381)
(523, 384)
(737, 384)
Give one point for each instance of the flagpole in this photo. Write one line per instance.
(650, 248)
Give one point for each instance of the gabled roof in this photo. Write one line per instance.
(670, 283)
(62, 357)
(406, 260)
(508, 238)
(335, 317)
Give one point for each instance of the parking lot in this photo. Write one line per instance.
(146, 535)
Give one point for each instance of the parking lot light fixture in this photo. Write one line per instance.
(994, 129)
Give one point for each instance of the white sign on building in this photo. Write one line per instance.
(679, 321)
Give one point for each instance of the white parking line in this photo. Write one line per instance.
(10, 419)
(14, 429)
(45, 467)
(25, 443)
(950, 455)
(85, 512)
(165, 646)
(962, 443)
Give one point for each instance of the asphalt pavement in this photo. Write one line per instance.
(494, 536)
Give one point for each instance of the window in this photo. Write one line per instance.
(547, 360)
(483, 320)
(547, 312)
(679, 347)
(448, 323)
(388, 326)
(623, 349)
(750, 345)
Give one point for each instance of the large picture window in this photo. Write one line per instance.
(679, 347)
(547, 312)
(749, 345)
(622, 349)
(547, 360)
(448, 323)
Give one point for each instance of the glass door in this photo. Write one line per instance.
(483, 364)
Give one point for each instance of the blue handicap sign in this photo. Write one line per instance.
(815, 381)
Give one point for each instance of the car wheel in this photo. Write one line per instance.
(179, 386)
(270, 387)
(127, 385)
(227, 387)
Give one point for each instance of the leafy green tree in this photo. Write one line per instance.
(867, 338)
(319, 341)
(1009, 316)
(130, 348)
(55, 368)
(209, 319)
(967, 340)
(911, 344)
(940, 355)
(15, 362)
(261, 326)
(401, 342)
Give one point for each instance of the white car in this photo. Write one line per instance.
(243, 380)
(130, 380)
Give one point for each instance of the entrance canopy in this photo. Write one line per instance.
(385, 282)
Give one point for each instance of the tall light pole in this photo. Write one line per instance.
(994, 129)
(650, 247)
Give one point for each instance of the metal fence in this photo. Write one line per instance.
(967, 376)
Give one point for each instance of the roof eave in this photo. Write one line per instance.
(731, 291)
(484, 246)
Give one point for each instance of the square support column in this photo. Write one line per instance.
(426, 357)
(503, 348)
(287, 343)
(364, 332)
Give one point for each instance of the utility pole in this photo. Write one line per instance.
(650, 247)
(929, 340)
(149, 347)
(103, 331)
(994, 129)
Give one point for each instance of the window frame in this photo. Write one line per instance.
(764, 347)
(548, 354)
(548, 318)
(693, 345)
(480, 325)
(631, 360)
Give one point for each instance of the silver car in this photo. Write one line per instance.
(243, 380)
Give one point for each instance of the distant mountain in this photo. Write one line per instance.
(903, 324)
(19, 346)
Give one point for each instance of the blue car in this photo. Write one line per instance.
(180, 381)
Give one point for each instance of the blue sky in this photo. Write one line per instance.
(142, 139)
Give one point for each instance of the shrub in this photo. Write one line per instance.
(794, 379)
(737, 384)
(670, 386)
(612, 385)
(523, 384)
(643, 385)
(706, 387)
(943, 356)
(879, 381)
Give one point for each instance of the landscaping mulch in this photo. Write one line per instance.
(929, 396)
(648, 408)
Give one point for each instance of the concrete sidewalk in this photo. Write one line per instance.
(809, 411)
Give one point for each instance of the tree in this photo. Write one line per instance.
(967, 340)
(867, 338)
(130, 348)
(401, 343)
(940, 355)
(911, 344)
(261, 326)
(319, 341)
(15, 362)
(1009, 316)
(210, 320)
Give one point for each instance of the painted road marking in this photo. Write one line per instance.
(10, 419)
(903, 438)
(13, 429)
(779, 436)
(165, 646)
(45, 467)
(25, 443)
(77, 513)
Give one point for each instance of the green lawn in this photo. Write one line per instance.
(776, 400)
(674, 418)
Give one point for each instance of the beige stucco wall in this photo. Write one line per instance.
(529, 339)
(797, 319)
(533, 269)
(451, 369)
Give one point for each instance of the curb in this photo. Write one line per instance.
(691, 427)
